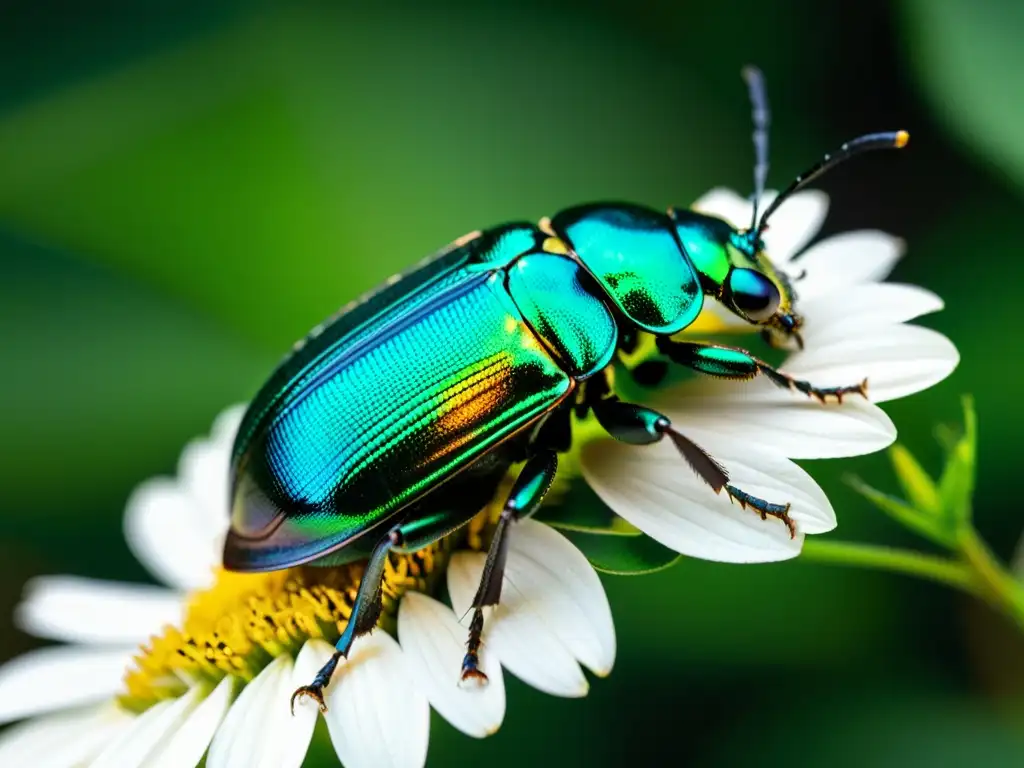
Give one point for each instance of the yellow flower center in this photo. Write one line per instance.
(241, 623)
(245, 620)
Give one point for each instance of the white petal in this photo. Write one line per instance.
(830, 318)
(225, 426)
(242, 737)
(794, 224)
(568, 592)
(653, 489)
(725, 204)
(516, 631)
(790, 228)
(81, 610)
(63, 740)
(185, 748)
(268, 734)
(49, 679)
(296, 731)
(850, 258)
(376, 716)
(140, 742)
(203, 470)
(167, 530)
(759, 414)
(434, 643)
(898, 360)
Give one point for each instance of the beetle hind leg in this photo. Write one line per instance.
(526, 495)
(407, 537)
(639, 425)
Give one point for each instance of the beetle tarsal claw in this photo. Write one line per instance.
(315, 692)
(472, 675)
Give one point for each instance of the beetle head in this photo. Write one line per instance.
(734, 269)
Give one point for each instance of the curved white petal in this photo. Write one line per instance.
(63, 740)
(516, 630)
(166, 529)
(569, 594)
(225, 426)
(138, 745)
(725, 204)
(759, 414)
(434, 643)
(203, 470)
(296, 730)
(62, 677)
(790, 228)
(82, 610)
(898, 360)
(185, 748)
(249, 724)
(794, 224)
(652, 488)
(849, 258)
(376, 717)
(830, 319)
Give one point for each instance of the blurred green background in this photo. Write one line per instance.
(186, 187)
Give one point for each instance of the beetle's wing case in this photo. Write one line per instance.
(384, 404)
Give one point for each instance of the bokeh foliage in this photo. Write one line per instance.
(186, 188)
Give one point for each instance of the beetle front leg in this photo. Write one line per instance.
(638, 425)
(733, 363)
(523, 500)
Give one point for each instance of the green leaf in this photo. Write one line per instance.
(917, 484)
(956, 486)
(931, 527)
(582, 510)
(968, 57)
(624, 555)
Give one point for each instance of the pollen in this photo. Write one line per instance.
(244, 621)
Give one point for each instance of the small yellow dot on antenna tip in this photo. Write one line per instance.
(902, 137)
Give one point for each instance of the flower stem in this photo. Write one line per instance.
(903, 561)
(976, 571)
(1003, 590)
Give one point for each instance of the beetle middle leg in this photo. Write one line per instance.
(523, 500)
(408, 536)
(639, 425)
(734, 363)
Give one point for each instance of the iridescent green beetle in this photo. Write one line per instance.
(393, 423)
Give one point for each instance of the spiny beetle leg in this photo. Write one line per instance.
(409, 536)
(526, 495)
(643, 426)
(733, 363)
(765, 508)
(365, 612)
(638, 425)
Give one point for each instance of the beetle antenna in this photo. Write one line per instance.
(865, 143)
(761, 119)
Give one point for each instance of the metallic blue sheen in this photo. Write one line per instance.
(384, 415)
(575, 324)
(633, 253)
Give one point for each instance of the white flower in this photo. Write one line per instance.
(97, 702)
(855, 327)
(222, 652)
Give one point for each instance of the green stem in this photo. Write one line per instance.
(976, 572)
(1003, 590)
(903, 561)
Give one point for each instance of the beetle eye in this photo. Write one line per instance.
(752, 294)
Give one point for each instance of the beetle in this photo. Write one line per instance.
(392, 423)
